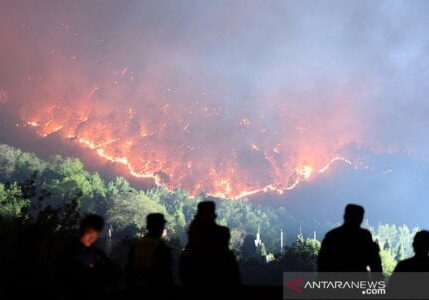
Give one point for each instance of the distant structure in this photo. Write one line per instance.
(300, 236)
(258, 241)
(260, 247)
(281, 241)
(109, 241)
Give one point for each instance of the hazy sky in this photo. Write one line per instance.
(240, 51)
(310, 74)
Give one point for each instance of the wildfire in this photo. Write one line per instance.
(32, 124)
(225, 187)
(337, 158)
(186, 141)
(172, 116)
(122, 160)
(304, 171)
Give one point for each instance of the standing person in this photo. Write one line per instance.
(410, 277)
(203, 227)
(197, 256)
(85, 271)
(420, 261)
(226, 269)
(349, 248)
(208, 269)
(150, 261)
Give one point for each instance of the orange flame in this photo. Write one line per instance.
(222, 187)
(196, 145)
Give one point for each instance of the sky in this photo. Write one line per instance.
(306, 79)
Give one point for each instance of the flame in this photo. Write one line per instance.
(336, 158)
(172, 117)
(186, 141)
(187, 137)
(304, 171)
(33, 124)
(224, 187)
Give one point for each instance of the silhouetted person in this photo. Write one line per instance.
(248, 249)
(349, 248)
(150, 261)
(201, 243)
(420, 261)
(203, 227)
(208, 269)
(85, 270)
(226, 267)
(27, 274)
(403, 283)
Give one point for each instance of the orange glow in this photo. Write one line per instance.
(222, 187)
(200, 146)
(170, 115)
(337, 158)
(32, 124)
(304, 171)
(222, 181)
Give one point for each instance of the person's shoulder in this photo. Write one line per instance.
(163, 249)
(144, 238)
(365, 233)
(332, 236)
(219, 230)
(424, 264)
(146, 242)
(404, 265)
(334, 232)
(222, 228)
(164, 244)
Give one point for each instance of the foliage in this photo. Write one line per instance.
(11, 201)
(237, 239)
(32, 237)
(397, 240)
(120, 203)
(388, 261)
(132, 208)
(301, 256)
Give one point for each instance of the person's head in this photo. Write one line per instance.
(421, 242)
(90, 229)
(353, 215)
(155, 224)
(206, 210)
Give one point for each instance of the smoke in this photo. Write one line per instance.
(223, 97)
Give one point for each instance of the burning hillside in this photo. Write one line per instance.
(195, 147)
(204, 99)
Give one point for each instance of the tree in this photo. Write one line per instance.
(32, 238)
(388, 261)
(12, 201)
(301, 256)
(174, 204)
(237, 239)
(96, 199)
(131, 209)
(7, 162)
